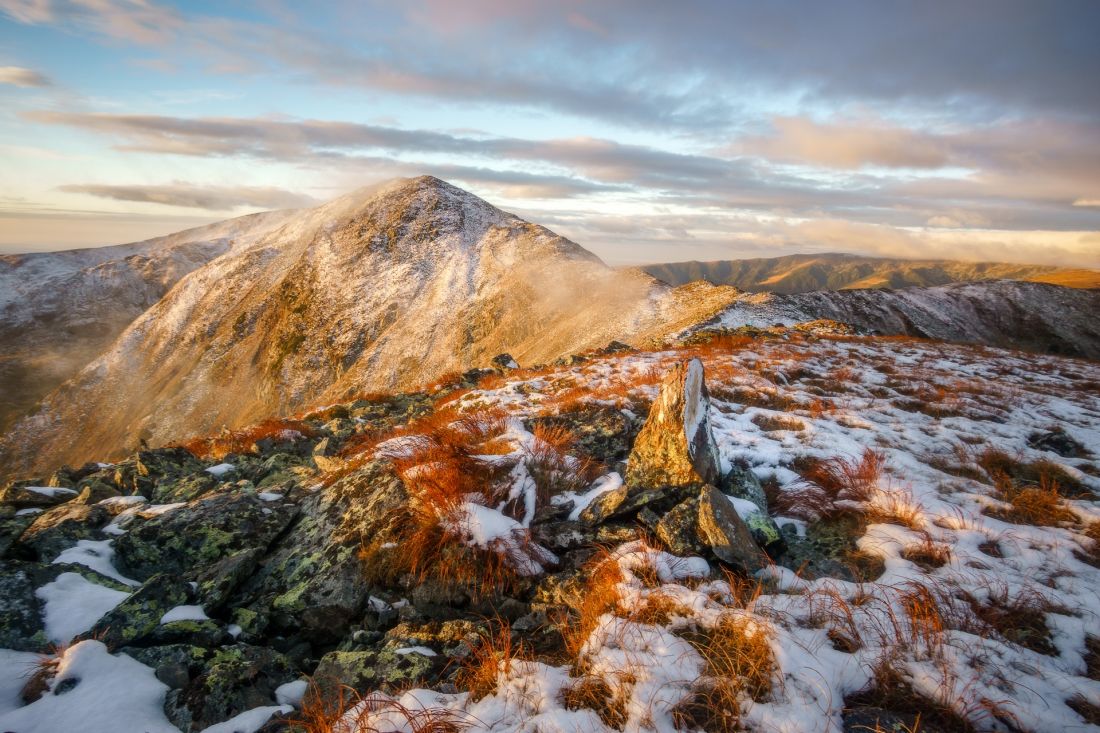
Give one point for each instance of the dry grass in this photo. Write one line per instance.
(241, 441)
(592, 692)
(349, 712)
(929, 554)
(552, 467)
(491, 657)
(738, 660)
(438, 461)
(598, 595)
(832, 487)
(1016, 617)
(1041, 505)
(773, 423)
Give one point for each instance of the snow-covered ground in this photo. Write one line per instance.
(930, 409)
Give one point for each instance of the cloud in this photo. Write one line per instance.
(847, 145)
(136, 21)
(21, 77)
(213, 198)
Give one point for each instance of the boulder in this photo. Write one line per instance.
(60, 528)
(384, 670)
(21, 626)
(137, 618)
(187, 540)
(312, 582)
(505, 362)
(723, 531)
(230, 680)
(26, 497)
(12, 525)
(678, 529)
(675, 447)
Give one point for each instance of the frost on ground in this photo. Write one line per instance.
(939, 553)
(959, 569)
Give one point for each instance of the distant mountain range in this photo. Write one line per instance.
(836, 271)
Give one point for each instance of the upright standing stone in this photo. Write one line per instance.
(675, 447)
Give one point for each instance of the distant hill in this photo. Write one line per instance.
(835, 271)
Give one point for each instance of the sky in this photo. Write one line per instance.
(645, 131)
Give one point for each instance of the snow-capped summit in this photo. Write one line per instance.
(387, 287)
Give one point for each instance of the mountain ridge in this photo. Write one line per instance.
(385, 288)
(837, 270)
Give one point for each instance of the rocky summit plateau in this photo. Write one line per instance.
(407, 462)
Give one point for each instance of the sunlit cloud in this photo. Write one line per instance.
(19, 77)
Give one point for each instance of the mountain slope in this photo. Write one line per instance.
(1032, 316)
(385, 288)
(833, 271)
(60, 310)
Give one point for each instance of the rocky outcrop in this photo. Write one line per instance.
(675, 447)
(262, 559)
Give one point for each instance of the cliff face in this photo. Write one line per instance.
(385, 288)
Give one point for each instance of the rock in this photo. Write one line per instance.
(678, 529)
(184, 541)
(616, 347)
(743, 483)
(324, 447)
(675, 446)
(26, 497)
(21, 626)
(218, 580)
(723, 531)
(312, 581)
(185, 488)
(203, 633)
(505, 362)
(857, 720)
(137, 618)
(329, 464)
(1057, 441)
(231, 680)
(384, 670)
(604, 433)
(60, 528)
(94, 491)
(604, 506)
(12, 527)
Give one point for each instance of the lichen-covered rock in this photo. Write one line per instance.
(604, 506)
(186, 540)
(93, 491)
(174, 664)
(384, 670)
(675, 446)
(678, 528)
(219, 579)
(231, 680)
(135, 620)
(724, 532)
(603, 433)
(184, 488)
(21, 626)
(505, 362)
(12, 526)
(22, 496)
(60, 528)
(312, 581)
